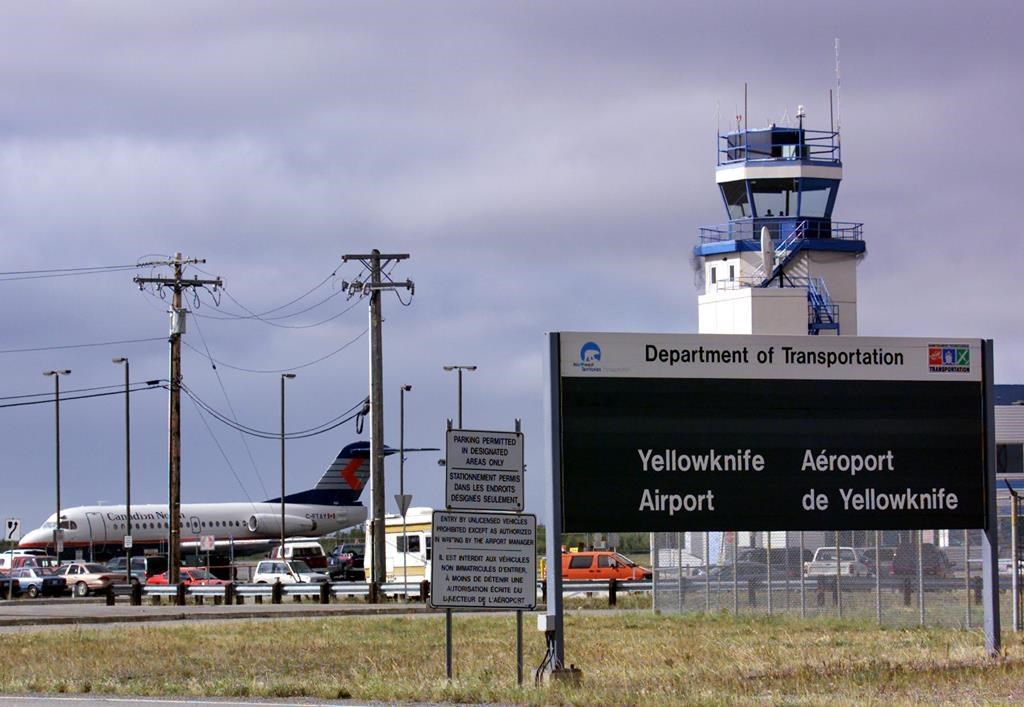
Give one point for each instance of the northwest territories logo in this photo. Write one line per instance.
(949, 358)
(590, 357)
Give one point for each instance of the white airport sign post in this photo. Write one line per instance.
(678, 432)
(484, 470)
(484, 561)
(484, 547)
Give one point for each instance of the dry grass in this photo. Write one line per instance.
(626, 657)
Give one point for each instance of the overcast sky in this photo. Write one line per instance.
(545, 164)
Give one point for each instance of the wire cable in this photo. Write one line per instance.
(225, 456)
(327, 426)
(234, 415)
(290, 368)
(80, 397)
(83, 346)
(14, 275)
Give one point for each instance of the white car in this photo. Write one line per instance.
(288, 572)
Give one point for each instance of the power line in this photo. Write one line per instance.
(347, 416)
(83, 397)
(234, 415)
(83, 346)
(77, 390)
(14, 275)
(282, 370)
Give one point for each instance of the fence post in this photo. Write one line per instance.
(275, 592)
(179, 596)
(325, 593)
(229, 593)
(613, 585)
(136, 599)
(110, 595)
(425, 590)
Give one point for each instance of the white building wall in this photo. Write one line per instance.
(1009, 424)
(753, 310)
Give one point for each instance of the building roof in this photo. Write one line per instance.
(1009, 394)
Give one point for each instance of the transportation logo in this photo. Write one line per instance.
(949, 358)
(590, 357)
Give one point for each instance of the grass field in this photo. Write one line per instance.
(627, 657)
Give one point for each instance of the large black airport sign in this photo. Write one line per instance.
(660, 432)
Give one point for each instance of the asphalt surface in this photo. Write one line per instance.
(39, 613)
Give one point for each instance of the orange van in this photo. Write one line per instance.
(601, 564)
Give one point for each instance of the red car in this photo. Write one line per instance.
(190, 576)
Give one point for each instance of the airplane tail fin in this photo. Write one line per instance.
(343, 482)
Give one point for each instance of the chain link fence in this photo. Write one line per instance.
(896, 578)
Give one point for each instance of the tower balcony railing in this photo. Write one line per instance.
(747, 229)
(775, 143)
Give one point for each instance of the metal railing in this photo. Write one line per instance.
(773, 144)
(750, 229)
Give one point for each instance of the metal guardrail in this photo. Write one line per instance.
(747, 229)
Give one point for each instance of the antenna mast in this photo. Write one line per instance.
(838, 84)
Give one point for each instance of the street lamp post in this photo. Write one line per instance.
(448, 612)
(127, 471)
(460, 369)
(56, 406)
(284, 376)
(401, 484)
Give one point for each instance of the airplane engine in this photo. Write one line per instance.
(271, 524)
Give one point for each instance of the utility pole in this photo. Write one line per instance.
(374, 261)
(177, 284)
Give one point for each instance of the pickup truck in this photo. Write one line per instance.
(824, 563)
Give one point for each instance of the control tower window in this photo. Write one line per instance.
(735, 195)
(814, 197)
(774, 197)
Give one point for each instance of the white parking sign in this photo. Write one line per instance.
(13, 531)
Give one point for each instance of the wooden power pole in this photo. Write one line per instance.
(373, 262)
(177, 283)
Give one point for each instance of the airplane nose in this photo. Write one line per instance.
(35, 538)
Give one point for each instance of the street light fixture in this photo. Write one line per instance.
(460, 369)
(127, 472)
(401, 485)
(56, 406)
(284, 376)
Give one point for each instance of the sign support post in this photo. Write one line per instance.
(990, 538)
(553, 397)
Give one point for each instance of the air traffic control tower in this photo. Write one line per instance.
(781, 265)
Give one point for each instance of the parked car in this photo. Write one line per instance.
(309, 551)
(9, 561)
(86, 577)
(189, 576)
(346, 562)
(9, 586)
(884, 560)
(40, 581)
(785, 561)
(1005, 565)
(744, 570)
(601, 564)
(143, 567)
(287, 571)
(934, 562)
(826, 563)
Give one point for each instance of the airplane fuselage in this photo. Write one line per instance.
(243, 523)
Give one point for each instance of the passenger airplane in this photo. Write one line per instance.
(331, 505)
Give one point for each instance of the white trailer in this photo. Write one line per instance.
(405, 554)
